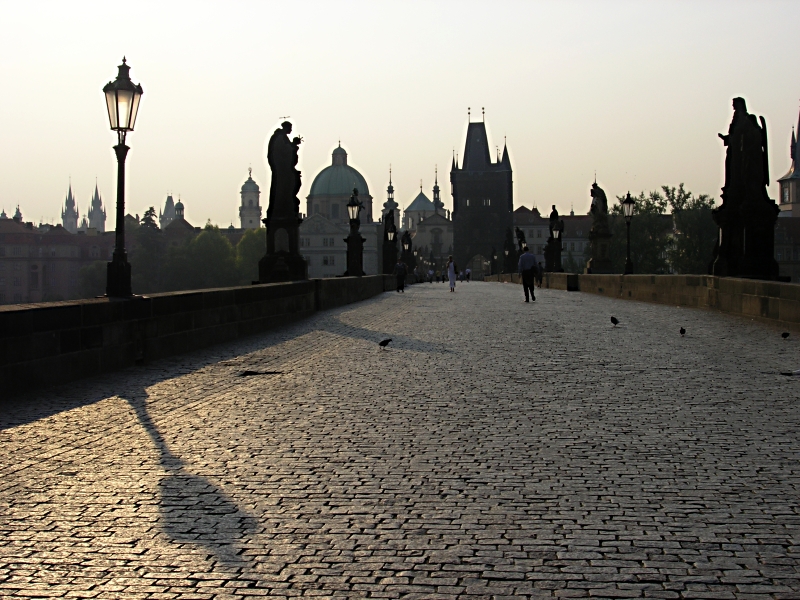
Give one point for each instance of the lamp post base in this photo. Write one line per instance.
(118, 279)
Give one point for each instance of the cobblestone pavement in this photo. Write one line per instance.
(497, 449)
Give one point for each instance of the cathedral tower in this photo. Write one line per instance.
(97, 214)
(483, 199)
(69, 215)
(250, 210)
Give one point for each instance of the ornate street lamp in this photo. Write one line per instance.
(627, 209)
(122, 102)
(354, 241)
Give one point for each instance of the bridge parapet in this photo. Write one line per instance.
(57, 342)
(767, 301)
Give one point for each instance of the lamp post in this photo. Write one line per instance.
(354, 241)
(627, 209)
(122, 102)
(553, 248)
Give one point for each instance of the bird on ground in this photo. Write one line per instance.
(615, 321)
(384, 343)
(683, 332)
(785, 334)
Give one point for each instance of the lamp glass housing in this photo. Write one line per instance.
(390, 235)
(406, 246)
(627, 207)
(122, 100)
(556, 233)
(352, 209)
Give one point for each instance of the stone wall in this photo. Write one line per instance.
(767, 301)
(57, 342)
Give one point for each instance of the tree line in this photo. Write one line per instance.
(672, 231)
(202, 261)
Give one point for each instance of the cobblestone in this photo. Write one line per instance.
(496, 450)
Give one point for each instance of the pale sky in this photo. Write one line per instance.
(636, 91)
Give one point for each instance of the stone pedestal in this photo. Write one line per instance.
(282, 261)
(600, 263)
(746, 245)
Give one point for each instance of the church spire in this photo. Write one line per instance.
(437, 201)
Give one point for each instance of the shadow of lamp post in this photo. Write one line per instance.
(122, 102)
(355, 243)
(627, 208)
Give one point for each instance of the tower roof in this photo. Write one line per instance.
(250, 185)
(476, 152)
(421, 203)
(476, 149)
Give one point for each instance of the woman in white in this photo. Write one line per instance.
(451, 273)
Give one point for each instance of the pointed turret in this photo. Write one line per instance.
(505, 161)
(454, 166)
(97, 214)
(69, 214)
(437, 201)
(390, 205)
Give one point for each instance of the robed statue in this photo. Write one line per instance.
(746, 218)
(600, 233)
(283, 261)
(282, 156)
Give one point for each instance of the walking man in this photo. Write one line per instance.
(527, 268)
(540, 274)
(400, 271)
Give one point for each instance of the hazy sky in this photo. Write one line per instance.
(634, 90)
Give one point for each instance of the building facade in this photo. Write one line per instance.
(326, 225)
(483, 201)
(41, 264)
(574, 239)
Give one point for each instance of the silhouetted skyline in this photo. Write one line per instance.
(634, 91)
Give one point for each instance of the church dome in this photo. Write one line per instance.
(339, 179)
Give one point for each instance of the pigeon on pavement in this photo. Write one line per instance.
(785, 334)
(683, 332)
(615, 321)
(384, 343)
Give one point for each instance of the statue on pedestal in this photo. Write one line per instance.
(282, 261)
(600, 233)
(747, 216)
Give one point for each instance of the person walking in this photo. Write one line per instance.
(540, 275)
(451, 273)
(400, 271)
(528, 269)
(468, 272)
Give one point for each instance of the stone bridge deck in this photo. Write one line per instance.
(498, 449)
